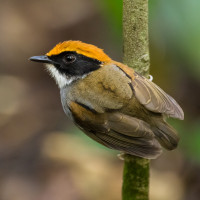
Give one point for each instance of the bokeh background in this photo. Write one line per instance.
(43, 156)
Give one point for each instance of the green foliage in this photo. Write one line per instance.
(190, 138)
(112, 9)
(175, 24)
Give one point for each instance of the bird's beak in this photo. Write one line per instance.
(42, 59)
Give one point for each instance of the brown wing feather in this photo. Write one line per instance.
(155, 99)
(117, 131)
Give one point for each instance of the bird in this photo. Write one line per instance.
(110, 102)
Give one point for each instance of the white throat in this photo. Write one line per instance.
(61, 79)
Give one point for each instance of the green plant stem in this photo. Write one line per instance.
(135, 35)
(136, 55)
(135, 178)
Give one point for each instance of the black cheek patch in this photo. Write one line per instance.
(82, 65)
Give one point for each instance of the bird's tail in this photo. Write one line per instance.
(166, 135)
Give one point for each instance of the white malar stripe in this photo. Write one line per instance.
(61, 79)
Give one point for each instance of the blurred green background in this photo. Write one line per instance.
(42, 154)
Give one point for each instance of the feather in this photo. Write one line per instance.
(155, 99)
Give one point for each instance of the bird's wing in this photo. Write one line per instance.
(117, 131)
(154, 98)
(146, 92)
(116, 84)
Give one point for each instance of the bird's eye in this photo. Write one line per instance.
(70, 58)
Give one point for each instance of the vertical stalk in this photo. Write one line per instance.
(135, 35)
(135, 178)
(136, 55)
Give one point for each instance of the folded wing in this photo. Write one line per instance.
(117, 131)
(155, 99)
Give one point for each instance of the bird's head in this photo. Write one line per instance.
(72, 60)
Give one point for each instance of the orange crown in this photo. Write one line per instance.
(80, 48)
